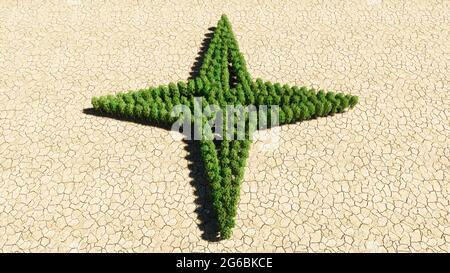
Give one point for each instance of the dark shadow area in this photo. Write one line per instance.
(195, 69)
(92, 112)
(205, 210)
(233, 82)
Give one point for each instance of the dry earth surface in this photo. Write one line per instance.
(373, 179)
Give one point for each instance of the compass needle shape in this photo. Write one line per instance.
(223, 80)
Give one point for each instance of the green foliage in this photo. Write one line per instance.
(289, 113)
(224, 164)
(224, 161)
(154, 113)
(95, 103)
(174, 91)
(138, 111)
(121, 108)
(104, 104)
(136, 95)
(241, 95)
(146, 95)
(182, 86)
(304, 111)
(191, 87)
(129, 110)
(327, 108)
(319, 108)
(311, 109)
(114, 105)
(198, 85)
(353, 100)
(145, 110)
(128, 98)
(296, 112)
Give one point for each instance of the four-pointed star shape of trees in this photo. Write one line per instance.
(223, 80)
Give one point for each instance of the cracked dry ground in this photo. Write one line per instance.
(373, 179)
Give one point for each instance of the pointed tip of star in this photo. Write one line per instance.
(224, 20)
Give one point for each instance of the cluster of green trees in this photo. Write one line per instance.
(154, 103)
(297, 104)
(225, 160)
(224, 165)
(224, 65)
